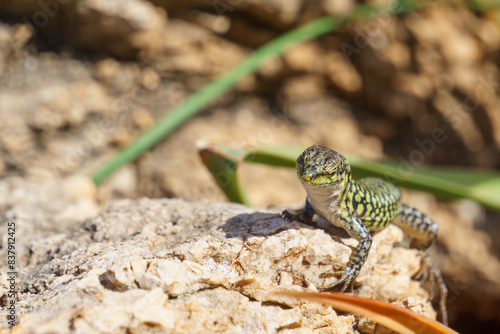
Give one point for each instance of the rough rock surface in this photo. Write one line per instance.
(125, 28)
(168, 265)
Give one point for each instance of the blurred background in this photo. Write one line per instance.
(80, 80)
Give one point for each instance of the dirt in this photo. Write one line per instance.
(81, 80)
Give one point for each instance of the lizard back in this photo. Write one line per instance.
(374, 201)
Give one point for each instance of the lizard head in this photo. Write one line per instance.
(322, 166)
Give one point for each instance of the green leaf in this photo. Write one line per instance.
(223, 165)
(483, 186)
(273, 156)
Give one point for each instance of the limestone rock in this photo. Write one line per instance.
(168, 265)
(45, 214)
(124, 28)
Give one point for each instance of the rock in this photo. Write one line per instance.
(142, 118)
(42, 210)
(121, 184)
(342, 74)
(170, 265)
(416, 85)
(190, 49)
(488, 34)
(303, 88)
(398, 54)
(305, 57)
(461, 49)
(52, 101)
(122, 138)
(458, 46)
(5, 45)
(277, 13)
(150, 79)
(80, 187)
(65, 98)
(495, 121)
(219, 24)
(460, 119)
(336, 7)
(107, 70)
(125, 28)
(271, 68)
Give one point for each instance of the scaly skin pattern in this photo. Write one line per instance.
(359, 207)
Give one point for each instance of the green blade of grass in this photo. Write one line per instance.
(278, 156)
(449, 183)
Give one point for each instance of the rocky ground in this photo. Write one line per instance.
(168, 265)
(81, 79)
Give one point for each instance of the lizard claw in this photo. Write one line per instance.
(430, 272)
(347, 277)
(287, 215)
(423, 275)
(300, 217)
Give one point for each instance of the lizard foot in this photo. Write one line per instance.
(347, 278)
(300, 217)
(290, 216)
(430, 272)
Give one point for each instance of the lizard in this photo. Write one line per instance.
(361, 208)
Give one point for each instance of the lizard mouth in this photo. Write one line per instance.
(311, 176)
(318, 180)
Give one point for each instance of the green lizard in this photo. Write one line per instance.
(360, 207)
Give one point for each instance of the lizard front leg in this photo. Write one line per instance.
(358, 257)
(304, 216)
